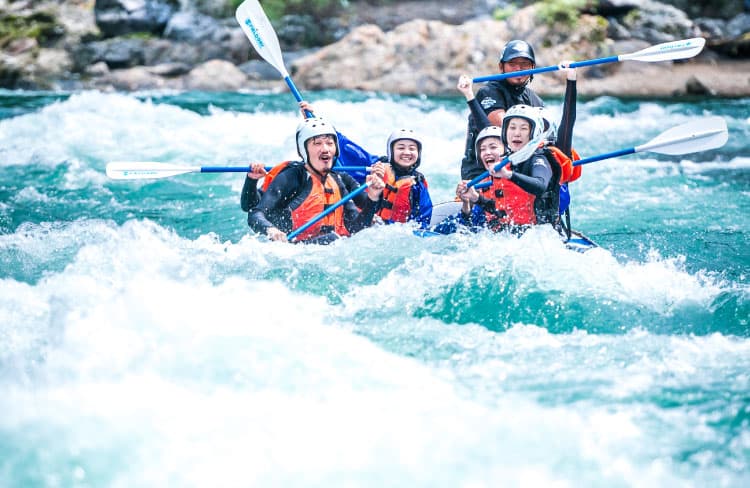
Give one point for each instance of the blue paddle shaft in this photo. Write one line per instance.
(484, 175)
(325, 212)
(545, 69)
(241, 169)
(621, 152)
(296, 93)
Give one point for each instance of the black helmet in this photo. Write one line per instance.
(517, 49)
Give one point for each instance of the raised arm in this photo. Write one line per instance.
(564, 140)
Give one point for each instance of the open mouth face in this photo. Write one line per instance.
(518, 133)
(321, 151)
(491, 151)
(405, 153)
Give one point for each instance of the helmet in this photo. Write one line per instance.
(489, 131)
(313, 127)
(532, 114)
(399, 134)
(549, 123)
(517, 49)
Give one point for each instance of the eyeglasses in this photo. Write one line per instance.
(519, 65)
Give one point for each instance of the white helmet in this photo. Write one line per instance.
(399, 134)
(549, 123)
(489, 131)
(532, 114)
(313, 127)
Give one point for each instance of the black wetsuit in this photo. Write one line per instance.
(288, 190)
(251, 195)
(493, 96)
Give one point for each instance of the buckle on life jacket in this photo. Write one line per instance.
(329, 191)
(499, 193)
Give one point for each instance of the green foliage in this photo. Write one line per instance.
(40, 26)
(318, 9)
(565, 12)
(504, 13)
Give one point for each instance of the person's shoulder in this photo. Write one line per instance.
(292, 173)
(535, 100)
(489, 97)
(540, 157)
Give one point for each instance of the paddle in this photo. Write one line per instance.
(259, 31)
(325, 212)
(698, 135)
(686, 48)
(517, 157)
(143, 170)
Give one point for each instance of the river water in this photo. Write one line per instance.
(148, 338)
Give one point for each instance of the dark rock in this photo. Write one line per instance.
(656, 22)
(616, 31)
(192, 27)
(169, 70)
(120, 17)
(711, 27)
(695, 87)
(259, 70)
(738, 26)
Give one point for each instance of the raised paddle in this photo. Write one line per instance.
(666, 51)
(262, 36)
(325, 212)
(150, 170)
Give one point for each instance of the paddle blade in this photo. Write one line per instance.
(528, 150)
(686, 48)
(260, 32)
(145, 170)
(695, 136)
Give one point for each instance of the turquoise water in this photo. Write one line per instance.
(148, 339)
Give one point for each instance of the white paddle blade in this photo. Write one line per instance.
(146, 170)
(686, 48)
(260, 32)
(528, 150)
(699, 135)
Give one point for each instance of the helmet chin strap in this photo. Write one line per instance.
(315, 171)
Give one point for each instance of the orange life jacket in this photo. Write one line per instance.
(272, 174)
(322, 195)
(568, 171)
(513, 205)
(396, 206)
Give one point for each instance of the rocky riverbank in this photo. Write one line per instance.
(412, 47)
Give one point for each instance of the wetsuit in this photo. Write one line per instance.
(251, 195)
(289, 190)
(497, 94)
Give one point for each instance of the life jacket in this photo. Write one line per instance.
(268, 178)
(396, 202)
(515, 206)
(568, 172)
(322, 195)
